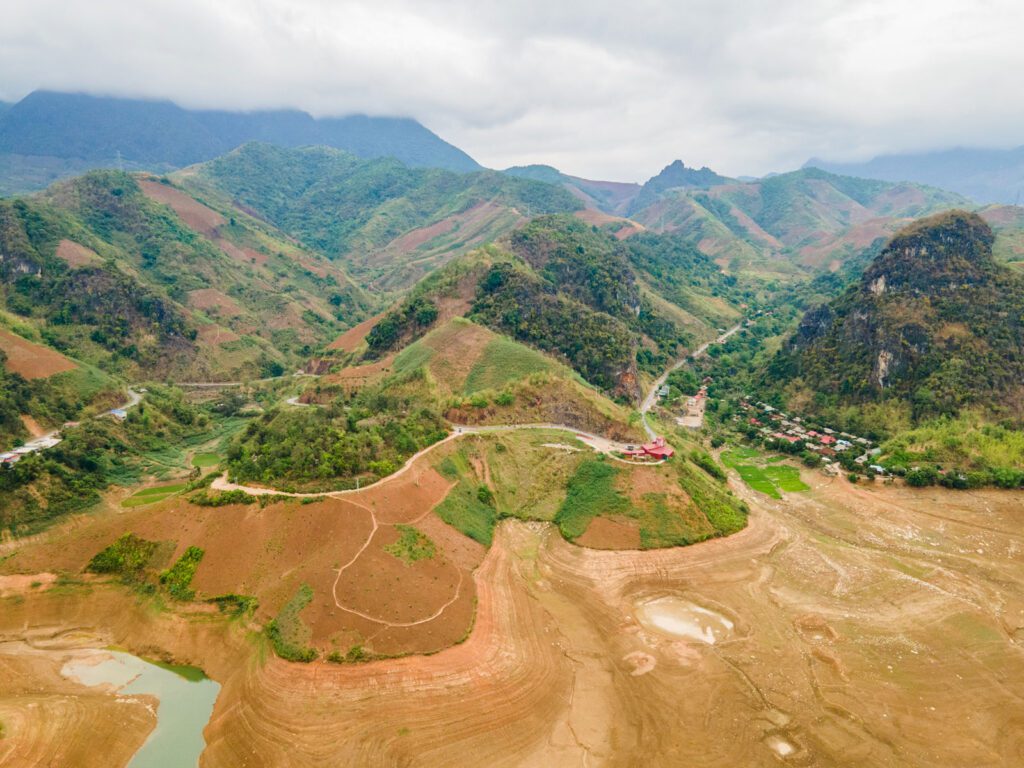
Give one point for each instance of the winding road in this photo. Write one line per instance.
(652, 395)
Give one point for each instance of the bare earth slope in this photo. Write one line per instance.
(852, 626)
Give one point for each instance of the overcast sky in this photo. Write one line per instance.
(600, 89)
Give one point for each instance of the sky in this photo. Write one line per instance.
(612, 90)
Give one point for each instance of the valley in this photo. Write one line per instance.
(324, 445)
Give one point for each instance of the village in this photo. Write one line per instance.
(771, 424)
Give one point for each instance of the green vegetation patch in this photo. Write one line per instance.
(152, 495)
(591, 492)
(222, 499)
(126, 557)
(178, 578)
(502, 361)
(765, 477)
(412, 545)
(233, 604)
(205, 460)
(288, 633)
(463, 508)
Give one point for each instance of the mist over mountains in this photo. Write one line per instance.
(984, 175)
(48, 135)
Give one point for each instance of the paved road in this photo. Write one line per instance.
(652, 395)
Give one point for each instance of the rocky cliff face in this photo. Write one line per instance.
(934, 319)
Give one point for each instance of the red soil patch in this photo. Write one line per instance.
(610, 533)
(408, 497)
(211, 298)
(600, 218)
(354, 336)
(413, 239)
(642, 480)
(77, 255)
(358, 376)
(368, 586)
(33, 361)
(201, 218)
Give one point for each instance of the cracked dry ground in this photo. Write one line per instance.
(870, 627)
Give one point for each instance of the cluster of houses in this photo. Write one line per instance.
(771, 423)
(9, 458)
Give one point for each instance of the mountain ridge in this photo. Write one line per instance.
(80, 129)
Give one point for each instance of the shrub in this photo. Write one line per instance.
(706, 461)
(178, 577)
(126, 557)
(223, 499)
(920, 477)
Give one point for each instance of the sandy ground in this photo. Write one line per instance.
(870, 626)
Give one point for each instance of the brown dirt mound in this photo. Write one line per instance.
(33, 361)
(211, 298)
(77, 255)
(600, 218)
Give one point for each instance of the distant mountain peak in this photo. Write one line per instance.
(676, 175)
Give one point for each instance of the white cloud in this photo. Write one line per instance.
(597, 88)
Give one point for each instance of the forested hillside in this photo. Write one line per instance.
(388, 223)
(934, 325)
(138, 279)
(613, 310)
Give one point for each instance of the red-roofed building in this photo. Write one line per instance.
(827, 440)
(658, 449)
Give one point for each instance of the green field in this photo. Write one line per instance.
(152, 495)
(762, 474)
(205, 460)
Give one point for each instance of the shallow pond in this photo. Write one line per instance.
(186, 699)
(680, 618)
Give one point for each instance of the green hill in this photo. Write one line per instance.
(135, 277)
(576, 292)
(388, 223)
(934, 326)
(782, 226)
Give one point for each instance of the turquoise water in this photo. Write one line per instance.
(186, 703)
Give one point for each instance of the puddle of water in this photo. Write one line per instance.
(780, 746)
(186, 699)
(681, 618)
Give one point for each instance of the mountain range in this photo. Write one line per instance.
(48, 135)
(984, 175)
